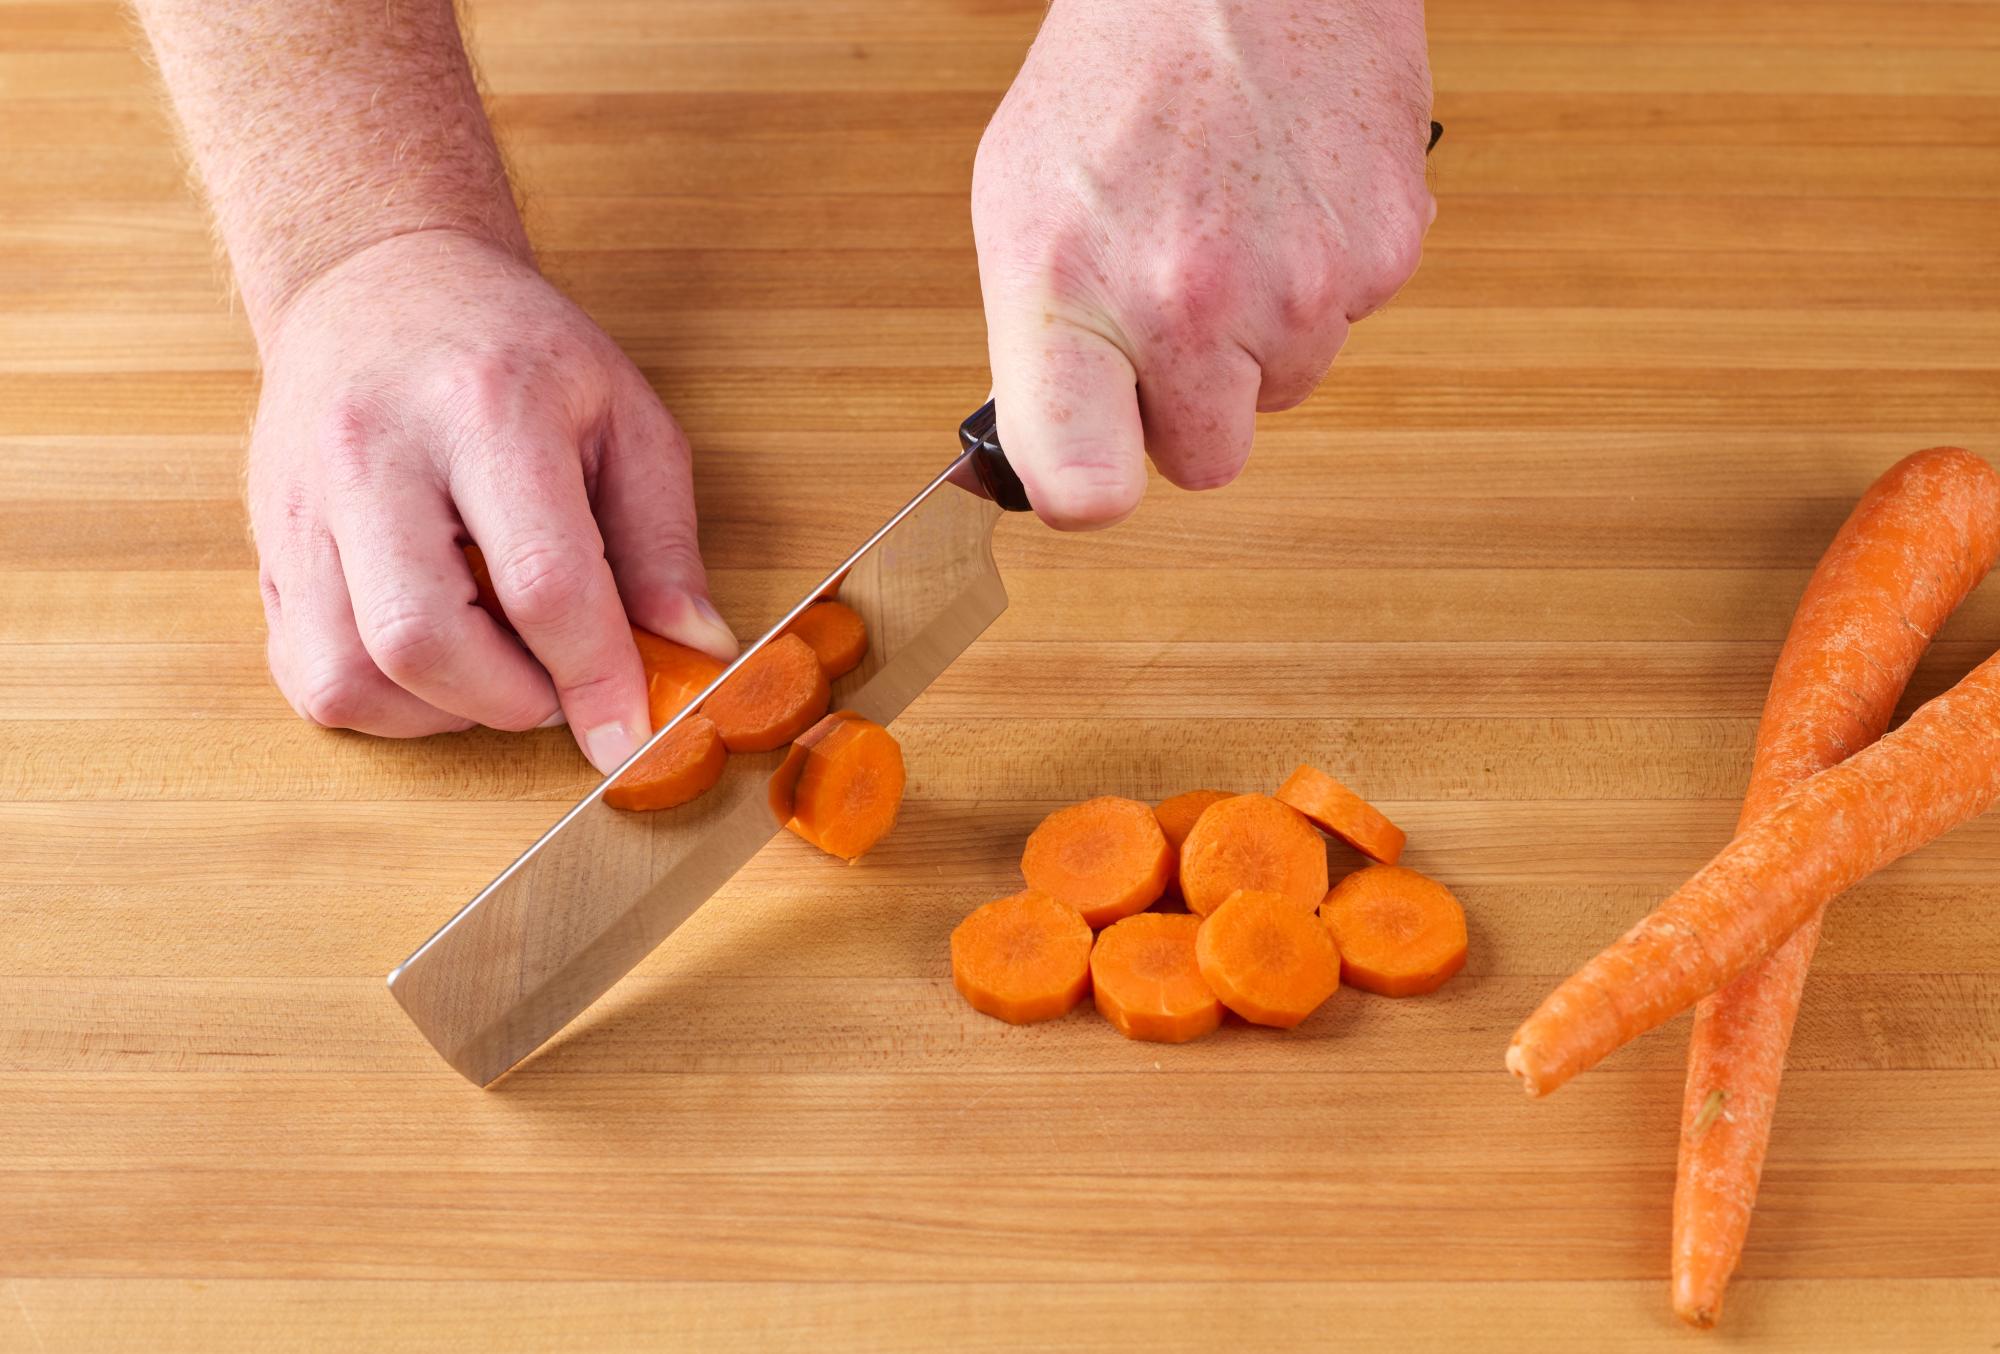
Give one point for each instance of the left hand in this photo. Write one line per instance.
(1180, 207)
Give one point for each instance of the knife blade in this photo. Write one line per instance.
(603, 887)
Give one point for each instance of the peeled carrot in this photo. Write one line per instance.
(1266, 960)
(774, 697)
(1345, 814)
(835, 632)
(1022, 959)
(1105, 857)
(1177, 815)
(1148, 981)
(1919, 540)
(675, 673)
(849, 788)
(1252, 842)
(1399, 933)
(683, 767)
(1828, 833)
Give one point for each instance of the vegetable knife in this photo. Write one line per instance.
(602, 888)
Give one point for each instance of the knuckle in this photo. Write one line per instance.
(1192, 287)
(540, 583)
(1311, 293)
(408, 641)
(1211, 471)
(1088, 491)
(1393, 250)
(337, 695)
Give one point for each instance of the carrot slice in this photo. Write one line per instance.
(1345, 814)
(1252, 842)
(1105, 857)
(1266, 960)
(835, 632)
(1399, 933)
(773, 698)
(1177, 815)
(683, 767)
(849, 788)
(1021, 959)
(675, 673)
(1148, 982)
(785, 780)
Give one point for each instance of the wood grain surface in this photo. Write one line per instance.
(1519, 571)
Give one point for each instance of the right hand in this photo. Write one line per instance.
(434, 389)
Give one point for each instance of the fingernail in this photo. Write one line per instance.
(608, 745)
(554, 721)
(719, 639)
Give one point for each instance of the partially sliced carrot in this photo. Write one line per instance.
(675, 673)
(834, 631)
(1252, 842)
(1021, 959)
(1399, 933)
(785, 780)
(685, 764)
(773, 698)
(1345, 814)
(1266, 960)
(1105, 857)
(849, 788)
(1177, 815)
(1148, 982)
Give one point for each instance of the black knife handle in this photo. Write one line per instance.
(981, 436)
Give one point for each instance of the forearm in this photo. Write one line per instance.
(321, 127)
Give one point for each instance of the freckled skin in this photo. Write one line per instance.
(1203, 196)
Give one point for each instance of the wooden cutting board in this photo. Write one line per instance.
(1518, 572)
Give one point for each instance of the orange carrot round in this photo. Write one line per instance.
(684, 765)
(1399, 933)
(1266, 960)
(1021, 959)
(1177, 815)
(1105, 857)
(849, 789)
(675, 674)
(1916, 544)
(1252, 842)
(773, 698)
(1345, 814)
(836, 633)
(1148, 982)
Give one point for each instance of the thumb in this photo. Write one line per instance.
(1069, 418)
(645, 510)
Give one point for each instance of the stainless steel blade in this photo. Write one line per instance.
(603, 888)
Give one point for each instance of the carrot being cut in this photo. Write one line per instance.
(1345, 814)
(836, 633)
(1252, 842)
(1105, 857)
(774, 697)
(1399, 933)
(683, 767)
(1828, 833)
(1148, 981)
(849, 788)
(675, 673)
(1022, 959)
(1266, 960)
(1916, 544)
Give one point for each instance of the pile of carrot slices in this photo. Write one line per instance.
(1832, 799)
(1263, 936)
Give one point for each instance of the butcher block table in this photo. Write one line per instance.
(1518, 572)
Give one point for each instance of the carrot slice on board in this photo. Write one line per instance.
(685, 764)
(1105, 857)
(1177, 815)
(675, 673)
(785, 780)
(1021, 959)
(1266, 960)
(1345, 814)
(1148, 982)
(834, 631)
(1399, 933)
(849, 788)
(1252, 842)
(773, 698)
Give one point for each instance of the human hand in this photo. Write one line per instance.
(431, 389)
(1180, 206)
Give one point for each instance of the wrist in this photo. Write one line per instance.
(383, 271)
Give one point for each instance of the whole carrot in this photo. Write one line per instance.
(1919, 540)
(1826, 835)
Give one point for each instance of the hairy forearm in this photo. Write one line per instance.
(321, 127)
